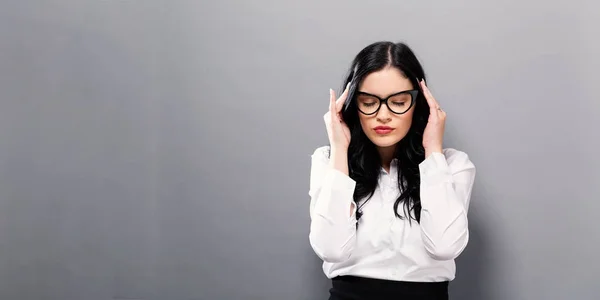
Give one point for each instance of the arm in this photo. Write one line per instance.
(332, 210)
(446, 185)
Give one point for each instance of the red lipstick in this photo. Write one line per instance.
(383, 129)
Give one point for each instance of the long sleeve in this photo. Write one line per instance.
(446, 184)
(333, 224)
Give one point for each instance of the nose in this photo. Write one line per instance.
(384, 115)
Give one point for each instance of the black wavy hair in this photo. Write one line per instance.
(364, 161)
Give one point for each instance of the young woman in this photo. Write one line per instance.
(388, 203)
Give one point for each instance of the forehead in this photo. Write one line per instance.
(385, 82)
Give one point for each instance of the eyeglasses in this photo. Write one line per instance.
(398, 103)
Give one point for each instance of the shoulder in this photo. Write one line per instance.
(321, 154)
(456, 157)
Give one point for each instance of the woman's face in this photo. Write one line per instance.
(385, 127)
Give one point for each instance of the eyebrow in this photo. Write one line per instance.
(369, 94)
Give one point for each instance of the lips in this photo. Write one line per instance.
(383, 129)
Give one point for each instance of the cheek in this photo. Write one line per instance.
(365, 121)
(402, 123)
(406, 119)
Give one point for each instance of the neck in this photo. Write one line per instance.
(386, 154)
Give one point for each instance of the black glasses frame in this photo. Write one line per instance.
(413, 95)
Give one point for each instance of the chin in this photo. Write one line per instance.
(385, 141)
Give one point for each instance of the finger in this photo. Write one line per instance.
(428, 96)
(433, 105)
(332, 104)
(340, 101)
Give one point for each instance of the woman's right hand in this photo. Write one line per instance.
(337, 130)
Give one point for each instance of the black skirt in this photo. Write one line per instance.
(359, 288)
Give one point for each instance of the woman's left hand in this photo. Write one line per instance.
(433, 135)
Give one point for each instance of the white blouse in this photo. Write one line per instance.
(384, 246)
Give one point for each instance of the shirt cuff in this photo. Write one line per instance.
(435, 170)
(336, 197)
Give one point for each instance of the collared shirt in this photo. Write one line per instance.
(384, 246)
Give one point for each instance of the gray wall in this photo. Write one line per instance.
(161, 149)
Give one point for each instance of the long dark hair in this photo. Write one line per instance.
(363, 158)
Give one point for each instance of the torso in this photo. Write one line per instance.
(388, 247)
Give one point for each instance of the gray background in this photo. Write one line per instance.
(161, 149)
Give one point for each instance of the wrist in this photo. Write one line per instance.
(339, 150)
(430, 151)
(339, 159)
